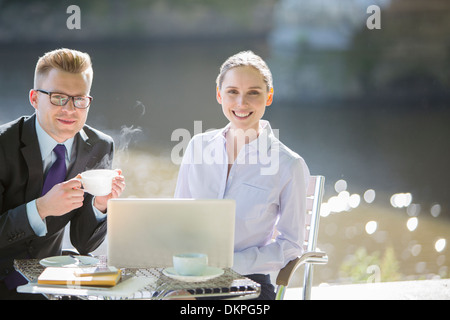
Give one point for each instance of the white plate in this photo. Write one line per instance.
(210, 273)
(67, 261)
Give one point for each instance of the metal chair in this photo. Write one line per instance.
(310, 256)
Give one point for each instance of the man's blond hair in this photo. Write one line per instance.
(68, 60)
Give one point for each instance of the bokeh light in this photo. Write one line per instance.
(412, 223)
(369, 195)
(440, 244)
(371, 227)
(401, 200)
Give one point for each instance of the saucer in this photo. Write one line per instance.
(210, 273)
(67, 261)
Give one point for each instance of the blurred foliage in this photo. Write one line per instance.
(106, 5)
(410, 53)
(45, 20)
(364, 267)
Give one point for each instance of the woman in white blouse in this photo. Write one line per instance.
(246, 162)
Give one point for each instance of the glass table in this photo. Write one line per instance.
(143, 283)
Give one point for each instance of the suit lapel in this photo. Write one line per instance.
(32, 156)
(33, 159)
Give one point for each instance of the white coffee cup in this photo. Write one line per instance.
(98, 182)
(190, 264)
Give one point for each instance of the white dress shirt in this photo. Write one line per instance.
(267, 180)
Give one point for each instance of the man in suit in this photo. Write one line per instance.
(32, 218)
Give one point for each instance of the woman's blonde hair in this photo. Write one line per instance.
(68, 60)
(246, 58)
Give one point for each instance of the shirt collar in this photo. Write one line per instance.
(47, 143)
(266, 133)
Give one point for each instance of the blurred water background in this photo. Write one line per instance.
(368, 109)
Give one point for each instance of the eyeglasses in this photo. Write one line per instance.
(61, 99)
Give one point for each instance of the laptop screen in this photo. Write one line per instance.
(145, 233)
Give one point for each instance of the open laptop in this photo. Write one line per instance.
(146, 232)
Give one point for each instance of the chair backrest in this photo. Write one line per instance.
(314, 195)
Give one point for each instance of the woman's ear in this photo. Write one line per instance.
(218, 96)
(269, 97)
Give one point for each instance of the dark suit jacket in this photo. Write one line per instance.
(21, 180)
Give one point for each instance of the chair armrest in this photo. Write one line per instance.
(285, 274)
